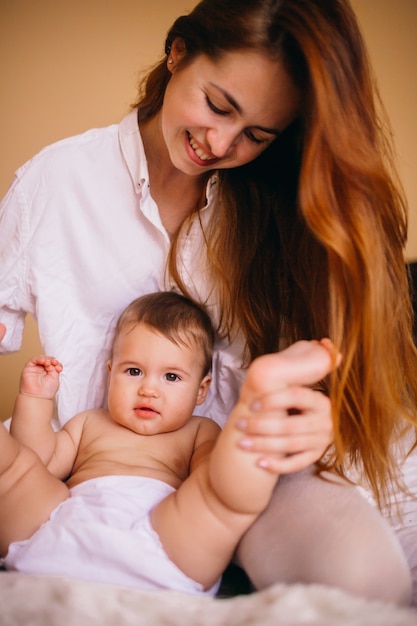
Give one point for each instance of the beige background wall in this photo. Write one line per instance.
(69, 66)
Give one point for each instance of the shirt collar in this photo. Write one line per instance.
(133, 151)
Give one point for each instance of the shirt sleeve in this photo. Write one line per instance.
(15, 301)
(227, 378)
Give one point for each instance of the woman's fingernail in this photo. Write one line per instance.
(246, 443)
(242, 424)
(262, 463)
(255, 406)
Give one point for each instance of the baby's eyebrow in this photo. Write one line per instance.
(176, 370)
(231, 100)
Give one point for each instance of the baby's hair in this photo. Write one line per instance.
(176, 317)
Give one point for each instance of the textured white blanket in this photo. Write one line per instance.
(46, 601)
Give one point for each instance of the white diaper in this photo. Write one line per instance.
(103, 533)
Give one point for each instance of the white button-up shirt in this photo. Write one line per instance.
(80, 238)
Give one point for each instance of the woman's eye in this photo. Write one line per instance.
(215, 109)
(252, 137)
(134, 371)
(172, 377)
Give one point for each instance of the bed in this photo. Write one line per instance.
(52, 601)
(55, 601)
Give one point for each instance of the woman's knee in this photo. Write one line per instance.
(386, 578)
(320, 532)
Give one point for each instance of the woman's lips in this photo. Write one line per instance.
(197, 152)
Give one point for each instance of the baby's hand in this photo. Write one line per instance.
(288, 423)
(40, 377)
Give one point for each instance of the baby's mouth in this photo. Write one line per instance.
(146, 412)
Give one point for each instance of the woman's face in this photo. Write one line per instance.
(224, 113)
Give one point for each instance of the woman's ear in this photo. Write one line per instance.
(203, 390)
(176, 53)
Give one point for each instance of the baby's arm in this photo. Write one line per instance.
(201, 524)
(33, 409)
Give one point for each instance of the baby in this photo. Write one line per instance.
(145, 494)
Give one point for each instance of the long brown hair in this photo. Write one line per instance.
(307, 240)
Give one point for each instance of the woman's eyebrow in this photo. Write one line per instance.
(228, 97)
(271, 131)
(238, 108)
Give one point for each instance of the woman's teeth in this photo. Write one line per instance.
(201, 155)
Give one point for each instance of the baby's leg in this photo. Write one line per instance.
(201, 524)
(315, 531)
(28, 492)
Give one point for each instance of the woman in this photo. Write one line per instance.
(253, 164)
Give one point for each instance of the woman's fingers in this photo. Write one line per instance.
(287, 444)
(291, 411)
(290, 429)
(288, 464)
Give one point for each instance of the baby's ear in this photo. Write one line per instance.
(203, 390)
(108, 371)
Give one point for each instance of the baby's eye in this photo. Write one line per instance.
(134, 371)
(172, 377)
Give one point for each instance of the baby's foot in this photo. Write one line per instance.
(303, 363)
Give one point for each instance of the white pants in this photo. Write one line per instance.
(103, 533)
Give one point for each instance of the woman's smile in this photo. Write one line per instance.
(199, 155)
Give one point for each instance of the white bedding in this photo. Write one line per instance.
(47, 601)
(51, 601)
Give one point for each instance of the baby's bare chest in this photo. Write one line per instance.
(114, 451)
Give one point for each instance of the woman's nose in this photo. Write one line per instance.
(222, 139)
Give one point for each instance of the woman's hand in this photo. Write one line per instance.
(2, 330)
(286, 421)
(291, 429)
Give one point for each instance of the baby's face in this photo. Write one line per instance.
(154, 384)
